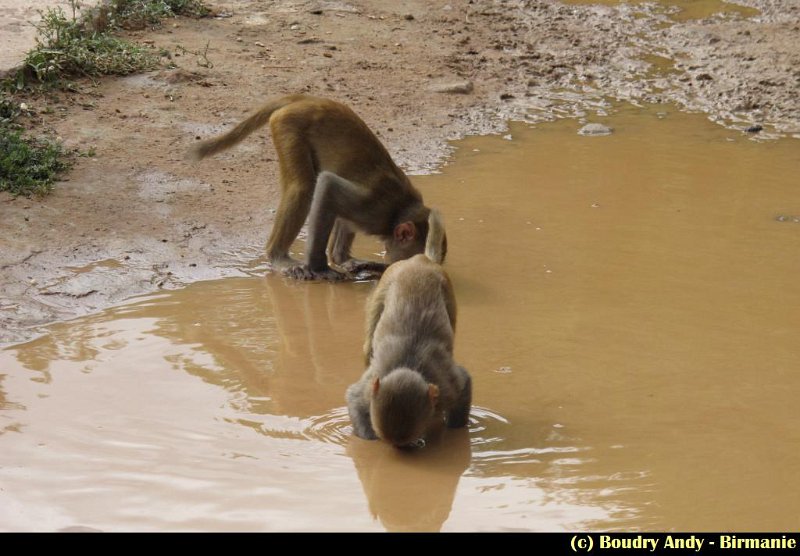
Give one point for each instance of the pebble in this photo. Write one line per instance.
(595, 130)
(453, 88)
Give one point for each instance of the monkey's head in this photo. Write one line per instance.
(403, 405)
(421, 231)
(407, 240)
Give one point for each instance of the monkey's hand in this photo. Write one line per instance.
(358, 266)
(304, 272)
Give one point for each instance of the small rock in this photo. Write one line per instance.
(453, 88)
(595, 130)
(704, 77)
(753, 128)
(408, 17)
(506, 96)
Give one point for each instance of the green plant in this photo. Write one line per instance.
(140, 13)
(9, 110)
(64, 47)
(28, 166)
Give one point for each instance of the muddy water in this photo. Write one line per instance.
(628, 310)
(686, 9)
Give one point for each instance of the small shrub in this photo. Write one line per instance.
(65, 48)
(28, 166)
(140, 13)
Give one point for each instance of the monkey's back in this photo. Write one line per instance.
(332, 127)
(414, 328)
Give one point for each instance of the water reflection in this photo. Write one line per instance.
(411, 490)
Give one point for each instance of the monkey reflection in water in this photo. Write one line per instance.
(412, 490)
(412, 381)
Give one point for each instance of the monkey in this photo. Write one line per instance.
(335, 171)
(411, 380)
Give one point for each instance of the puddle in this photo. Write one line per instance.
(627, 308)
(686, 9)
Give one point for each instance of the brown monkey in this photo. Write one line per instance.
(411, 380)
(335, 169)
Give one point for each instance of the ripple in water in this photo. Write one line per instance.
(480, 418)
(332, 427)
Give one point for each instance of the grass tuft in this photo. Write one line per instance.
(67, 47)
(28, 166)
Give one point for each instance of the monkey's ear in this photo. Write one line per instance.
(405, 231)
(376, 385)
(433, 393)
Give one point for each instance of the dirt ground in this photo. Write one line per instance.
(137, 217)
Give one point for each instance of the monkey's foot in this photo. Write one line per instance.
(281, 263)
(303, 272)
(357, 266)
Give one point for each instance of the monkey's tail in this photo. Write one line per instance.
(436, 242)
(238, 133)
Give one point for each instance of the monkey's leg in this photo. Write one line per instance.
(459, 414)
(358, 408)
(374, 311)
(450, 302)
(333, 197)
(343, 236)
(297, 179)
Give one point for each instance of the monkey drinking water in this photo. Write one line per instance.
(411, 381)
(335, 171)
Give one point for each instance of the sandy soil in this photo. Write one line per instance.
(137, 217)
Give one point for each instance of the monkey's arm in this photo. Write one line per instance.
(458, 416)
(333, 197)
(358, 408)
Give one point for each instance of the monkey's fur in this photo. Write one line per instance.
(333, 168)
(411, 380)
